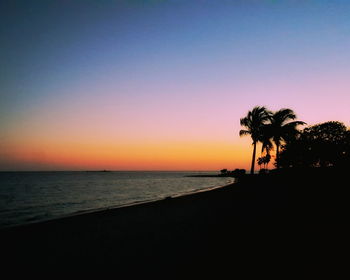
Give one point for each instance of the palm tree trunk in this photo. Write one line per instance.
(253, 159)
(277, 156)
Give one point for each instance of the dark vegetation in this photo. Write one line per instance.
(290, 222)
(322, 145)
(234, 173)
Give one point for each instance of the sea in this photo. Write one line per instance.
(30, 197)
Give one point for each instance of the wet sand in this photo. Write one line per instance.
(261, 221)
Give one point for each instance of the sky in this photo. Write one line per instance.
(162, 85)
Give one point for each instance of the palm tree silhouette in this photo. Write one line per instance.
(265, 138)
(264, 160)
(281, 129)
(260, 161)
(254, 123)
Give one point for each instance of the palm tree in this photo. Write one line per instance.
(282, 129)
(265, 138)
(254, 123)
(267, 146)
(260, 161)
(266, 160)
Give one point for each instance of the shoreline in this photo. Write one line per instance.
(131, 204)
(232, 226)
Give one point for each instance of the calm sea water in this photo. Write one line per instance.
(27, 197)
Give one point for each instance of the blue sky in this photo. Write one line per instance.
(131, 62)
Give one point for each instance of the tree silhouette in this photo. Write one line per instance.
(321, 145)
(223, 171)
(260, 162)
(264, 160)
(282, 129)
(265, 139)
(254, 123)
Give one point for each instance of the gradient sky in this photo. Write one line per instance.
(161, 85)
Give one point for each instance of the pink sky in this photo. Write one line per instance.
(163, 87)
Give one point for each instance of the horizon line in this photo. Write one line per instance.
(106, 170)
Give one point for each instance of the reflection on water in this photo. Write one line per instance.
(35, 196)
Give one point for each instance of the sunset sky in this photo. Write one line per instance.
(161, 85)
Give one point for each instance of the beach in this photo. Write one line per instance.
(261, 220)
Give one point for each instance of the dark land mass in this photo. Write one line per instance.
(291, 222)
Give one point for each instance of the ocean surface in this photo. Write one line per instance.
(27, 197)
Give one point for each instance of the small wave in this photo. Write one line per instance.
(83, 193)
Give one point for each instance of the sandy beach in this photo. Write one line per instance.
(261, 220)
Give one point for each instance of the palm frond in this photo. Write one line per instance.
(283, 115)
(244, 132)
(292, 125)
(244, 122)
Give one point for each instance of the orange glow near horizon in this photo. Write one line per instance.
(155, 156)
(163, 87)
